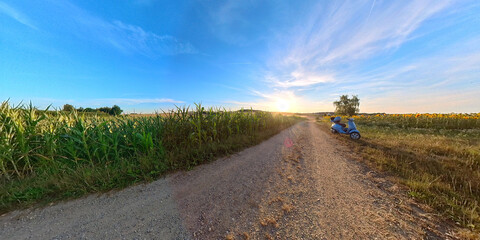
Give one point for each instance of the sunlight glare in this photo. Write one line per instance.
(283, 105)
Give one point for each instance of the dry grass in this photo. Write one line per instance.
(268, 236)
(277, 199)
(246, 236)
(287, 208)
(440, 167)
(230, 237)
(468, 235)
(269, 221)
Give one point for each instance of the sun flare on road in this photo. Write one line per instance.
(283, 105)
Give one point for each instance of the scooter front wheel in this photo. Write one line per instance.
(355, 136)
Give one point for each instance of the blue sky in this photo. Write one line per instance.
(146, 55)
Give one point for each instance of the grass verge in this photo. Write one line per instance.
(440, 167)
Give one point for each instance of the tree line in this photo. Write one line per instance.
(115, 110)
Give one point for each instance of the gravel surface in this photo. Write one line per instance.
(300, 184)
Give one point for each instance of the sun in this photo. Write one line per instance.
(283, 105)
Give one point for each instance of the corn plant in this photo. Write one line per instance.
(32, 140)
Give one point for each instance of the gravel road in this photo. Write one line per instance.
(300, 184)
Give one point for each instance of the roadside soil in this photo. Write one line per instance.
(300, 184)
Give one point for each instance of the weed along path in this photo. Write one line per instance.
(297, 185)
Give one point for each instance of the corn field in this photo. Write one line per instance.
(36, 143)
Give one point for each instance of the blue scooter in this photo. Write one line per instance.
(351, 130)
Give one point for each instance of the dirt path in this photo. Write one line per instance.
(275, 190)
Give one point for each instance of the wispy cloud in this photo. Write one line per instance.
(238, 63)
(344, 32)
(230, 22)
(298, 79)
(15, 14)
(316, 53)
(100, 101)
(135, 101)
(370, 13)
(454, 66)
(128, 38)
(445, 82)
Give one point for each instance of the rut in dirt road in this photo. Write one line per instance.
(296, 185)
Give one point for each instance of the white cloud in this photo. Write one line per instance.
(134, 101)
(132, 38)
(445, 82)
(340, 33)
(18, 16)
(231, 21)
(299, 79)
(344, 32)
(322, 53)
(128, 38)
(122, 102)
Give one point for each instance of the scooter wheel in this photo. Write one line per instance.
(333, 131)
(355, 136)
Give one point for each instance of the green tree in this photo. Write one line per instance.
(347, 106)
(68, 108)
(115, 110)
(105, 109)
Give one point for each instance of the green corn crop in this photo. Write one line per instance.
(48, 154)
(32, 140)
